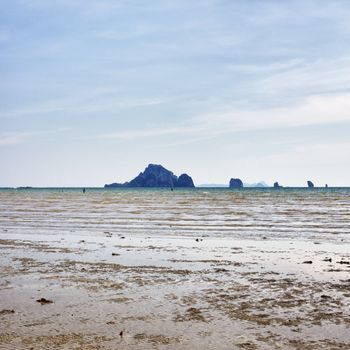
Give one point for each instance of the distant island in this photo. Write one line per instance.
(310, 184)
(277, 185)
(156, 175)
(236, 183)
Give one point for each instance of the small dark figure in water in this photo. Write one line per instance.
(326, 186)
(84, 190)
(171, 189)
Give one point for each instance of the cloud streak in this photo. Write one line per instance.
(7, 139)
(323, 154)
(315, 110)
(19, 137)
(86, 104)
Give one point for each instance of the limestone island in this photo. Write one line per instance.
(236, 183)
(310, 184)
(156, 176)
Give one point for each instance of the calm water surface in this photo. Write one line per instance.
(318, 214)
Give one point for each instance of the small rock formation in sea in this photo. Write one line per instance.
(184, 180)
(326, 186)
(236, 183)
(156, 176)
(277, 185)
(310, 184)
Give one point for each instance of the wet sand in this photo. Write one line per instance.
(140, 292)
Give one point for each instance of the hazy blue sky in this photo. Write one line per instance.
(93, 91)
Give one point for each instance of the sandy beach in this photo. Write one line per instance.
(175, 175)
(142, 292)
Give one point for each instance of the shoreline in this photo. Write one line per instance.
(172, 293)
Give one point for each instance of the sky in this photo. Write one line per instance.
(91, 91)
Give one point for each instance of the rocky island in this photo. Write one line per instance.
(156, 176)
(310, 184)
(236, 183)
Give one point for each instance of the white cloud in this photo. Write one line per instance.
(92, 102)
(321, 109)
(315, 77)
(270, 67)
(13, 138)
(328, 154)
(314, 110)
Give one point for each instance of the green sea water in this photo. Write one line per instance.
(252, 213)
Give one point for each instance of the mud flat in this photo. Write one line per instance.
(139, 292)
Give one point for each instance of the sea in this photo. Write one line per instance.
(319, 214)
